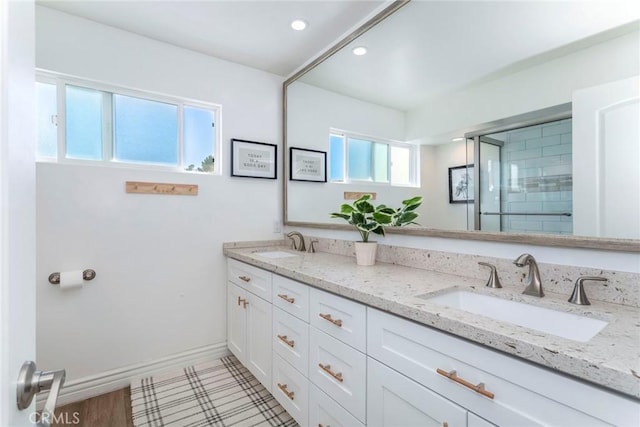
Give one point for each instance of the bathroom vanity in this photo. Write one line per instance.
(342, 345)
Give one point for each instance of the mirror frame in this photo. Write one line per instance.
(623, 245)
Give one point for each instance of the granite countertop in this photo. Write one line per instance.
(610, 359)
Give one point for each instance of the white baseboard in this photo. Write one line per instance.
(105, 382)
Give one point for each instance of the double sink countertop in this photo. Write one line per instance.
(610, 359)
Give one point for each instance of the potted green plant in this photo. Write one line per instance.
(368, 218)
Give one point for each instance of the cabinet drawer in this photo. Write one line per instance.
(325, 412)
(291, 296)
(291, 340)
(291, 389)
(339, 317)
(524, 394)
(396, 401)
(338, 370)
(251, 278)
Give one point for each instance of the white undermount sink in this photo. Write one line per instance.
(559, 323)
(276, 254)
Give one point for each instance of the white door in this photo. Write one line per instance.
(606, 159)
(17, 202)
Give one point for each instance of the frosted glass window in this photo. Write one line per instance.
(336, 157)
(380, 162)
(83, 123)
(145, 131)
(400, 165)
(47, 116)
(368, 160)
(360, 157)
(199, 138)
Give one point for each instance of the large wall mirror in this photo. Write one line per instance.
(516, 121)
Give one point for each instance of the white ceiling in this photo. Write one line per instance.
(425, 49)
(252, 33)
(428, 48)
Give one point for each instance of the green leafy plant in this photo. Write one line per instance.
(368, 218)
(206, 165)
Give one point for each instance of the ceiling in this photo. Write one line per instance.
(252, 33)
(430, 48)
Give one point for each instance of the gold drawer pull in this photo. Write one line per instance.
(287, 298)
(284, 339)
(244, 278)
(283, 387)
(327, 317)
(477, 388)
(445, 424)
(243, 301)
(327, 369)
(320, 425)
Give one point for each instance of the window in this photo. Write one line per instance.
(356, 158)
(119, 126)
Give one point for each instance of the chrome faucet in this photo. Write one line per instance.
(534, 284)
(300, 247)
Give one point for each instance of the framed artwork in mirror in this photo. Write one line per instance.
(307, 165)
(461, 186)
(253, 159)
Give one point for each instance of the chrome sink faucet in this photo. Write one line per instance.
(534, 284)
(301, 247)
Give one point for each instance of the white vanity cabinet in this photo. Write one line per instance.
(249, 319)
(516, 392)
(331, 361)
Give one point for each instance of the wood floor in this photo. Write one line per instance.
(107, 410)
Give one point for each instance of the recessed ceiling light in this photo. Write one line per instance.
(457, 139)
(298, 24)
(360, 50)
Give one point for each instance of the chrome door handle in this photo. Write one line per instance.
(31, 382)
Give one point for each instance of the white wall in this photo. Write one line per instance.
(160, 285)
(551, 83)
(436, 161)
(312, 113)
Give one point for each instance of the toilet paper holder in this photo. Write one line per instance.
(88, 274)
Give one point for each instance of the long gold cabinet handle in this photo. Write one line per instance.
(284, 339)
(328, 318)
(478, 388)
(283, 387)
(244, 278)
(327, 369)
(287, 298)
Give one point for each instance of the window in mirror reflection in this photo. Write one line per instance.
(355, 158)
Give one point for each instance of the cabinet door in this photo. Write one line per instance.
(339, 317)
(394, 400)
(259, 346)
(340, 371)
(236, 322)
(291, 340)
(475, 421)
(291, 389)
(325, 412)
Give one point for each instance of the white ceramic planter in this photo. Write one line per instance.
(366, 253)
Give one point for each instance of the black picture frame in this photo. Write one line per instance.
(461, 188)
(251, 159)
(307, 165)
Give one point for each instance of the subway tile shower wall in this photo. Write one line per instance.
(537, 177)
